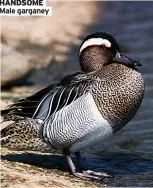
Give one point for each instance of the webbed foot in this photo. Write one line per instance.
(83, 174)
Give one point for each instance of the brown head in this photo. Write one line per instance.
(100, 49)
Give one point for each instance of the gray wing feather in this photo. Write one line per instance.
(54, 101)
(50, 99)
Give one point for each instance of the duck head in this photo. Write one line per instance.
(100, 49)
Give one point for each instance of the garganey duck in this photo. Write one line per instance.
(83, 108)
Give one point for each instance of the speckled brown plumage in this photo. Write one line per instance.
(24, 135)
(121, 93)
(93, 58)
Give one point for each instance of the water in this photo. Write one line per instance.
(129, 155)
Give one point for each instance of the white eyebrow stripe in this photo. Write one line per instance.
(95, 41)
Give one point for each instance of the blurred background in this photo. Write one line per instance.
(37, 51)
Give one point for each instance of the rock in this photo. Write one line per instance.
(37, 170)
(44, 40)
(14, 66)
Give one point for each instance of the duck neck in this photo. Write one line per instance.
(118, 73)
(122, 93)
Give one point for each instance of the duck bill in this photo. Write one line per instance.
(122, 59)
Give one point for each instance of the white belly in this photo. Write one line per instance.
(77, 125)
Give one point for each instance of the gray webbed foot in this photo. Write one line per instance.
(98, 174)
(84, 174)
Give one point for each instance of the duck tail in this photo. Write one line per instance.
(4, 112)
(24, 135)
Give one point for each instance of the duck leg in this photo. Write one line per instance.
(89, 172)
(88, 175)
(78, 161)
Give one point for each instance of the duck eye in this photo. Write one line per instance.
(119, 55)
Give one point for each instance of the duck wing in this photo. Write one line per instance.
(51, 99)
